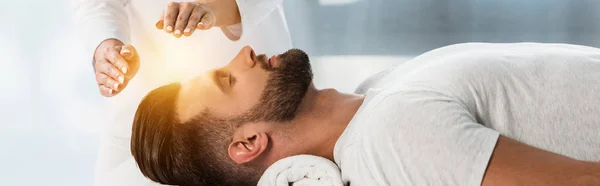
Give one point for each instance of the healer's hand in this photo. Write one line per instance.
(115, 64)
(183, 18)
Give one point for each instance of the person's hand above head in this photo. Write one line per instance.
(183, 18)
(115, 64)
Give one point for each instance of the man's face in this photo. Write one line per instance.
(249, 88)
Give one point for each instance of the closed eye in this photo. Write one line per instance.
(231, 80)
(222, 80)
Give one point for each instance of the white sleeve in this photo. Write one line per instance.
(427, 138)
(252, 13)
(98, 20)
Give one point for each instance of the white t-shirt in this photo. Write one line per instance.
(435, 120)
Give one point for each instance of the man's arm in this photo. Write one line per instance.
(99, 20)
(515, 163)
(103, 27)
(104, 24)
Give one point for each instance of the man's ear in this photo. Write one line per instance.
(245, 148)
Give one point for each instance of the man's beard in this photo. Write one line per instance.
(286, 87)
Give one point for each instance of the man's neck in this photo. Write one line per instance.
(323, 120)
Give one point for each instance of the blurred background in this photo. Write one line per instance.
(50, 119)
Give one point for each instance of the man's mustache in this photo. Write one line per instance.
(262, 60)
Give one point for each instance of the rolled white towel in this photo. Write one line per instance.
(302, 170)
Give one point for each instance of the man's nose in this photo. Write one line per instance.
(248, 55)
(245, 59)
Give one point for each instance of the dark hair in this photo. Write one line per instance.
(193, 153)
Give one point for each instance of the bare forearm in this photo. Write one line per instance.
(225, 11)
(590, 175)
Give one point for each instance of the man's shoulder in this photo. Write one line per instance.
(405, 104)
(432, 64)
(372, 82)
(392, 115)
(401, 101)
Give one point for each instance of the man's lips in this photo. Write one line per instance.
(273, 62)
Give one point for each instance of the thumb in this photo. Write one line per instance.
(129, 53)
(161, 22)
(207, 21)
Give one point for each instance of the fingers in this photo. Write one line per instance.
(105, 91)
(108, 69)
(114, 57)
(129, 53)
(193, 21)
(108, 74)
(171, 16)
(117, 68)
(107, 85)
(107, 81)
(184, 18)
(208, 21)
(185, 10)
(161, 21)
